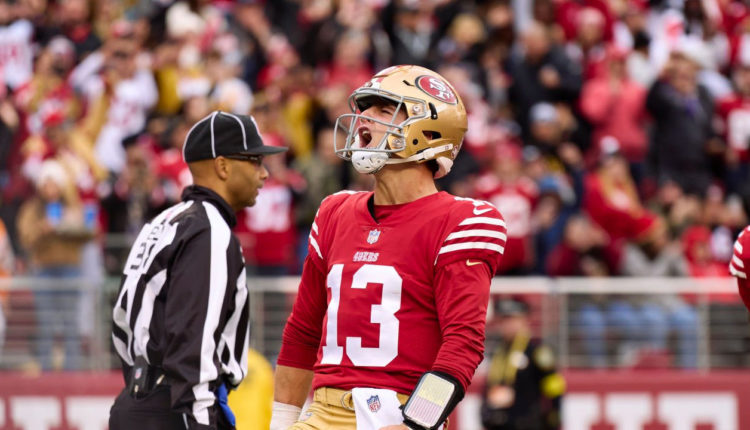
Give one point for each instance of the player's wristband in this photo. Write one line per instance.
(435, 397)
(284, 415)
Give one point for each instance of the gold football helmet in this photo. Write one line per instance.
(433, 130)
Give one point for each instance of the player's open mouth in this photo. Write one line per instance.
(365, 137)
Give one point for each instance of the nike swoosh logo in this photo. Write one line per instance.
(478, 212)
(472, 263)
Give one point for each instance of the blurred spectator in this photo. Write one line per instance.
(462, 40)
(52, 232)
(570, 13)
(696, 242)
(73, 20)
(136, 196)
(16, 46)
(411, 29)
(656, 255)
(611, 198)
(514, 195)
(349, 66)
(48, 91)
(554, 207)
(734, 114)
(539, 72)
(588, 49)
(523, 388)
(615, 106)
(683, 138)
(229, 93)
(584, 251)
(639, 65)
(120, 91)
(171, 168)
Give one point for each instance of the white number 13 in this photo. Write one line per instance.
(383, 314)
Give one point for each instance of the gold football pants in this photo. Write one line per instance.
(331, 409)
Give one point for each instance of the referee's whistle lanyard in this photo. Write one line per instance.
(504, 364)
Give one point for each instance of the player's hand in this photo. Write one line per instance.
(396, 427)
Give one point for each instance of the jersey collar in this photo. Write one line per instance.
(196, 192)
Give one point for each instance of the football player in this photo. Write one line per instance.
(740, 264)
(392, 302)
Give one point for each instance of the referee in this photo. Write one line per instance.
(181, 320)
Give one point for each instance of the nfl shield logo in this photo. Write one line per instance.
(373, 236)
(138, 372)
(373, 403)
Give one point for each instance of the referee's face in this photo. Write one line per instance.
(248, 175)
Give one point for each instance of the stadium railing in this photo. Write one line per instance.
(589, 322)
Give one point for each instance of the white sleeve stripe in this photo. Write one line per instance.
(315, 245)
(472, 233)
(737, 273)
(736, 260)
(483, 220)
(472, 245)
(738, 246)
(315, 227)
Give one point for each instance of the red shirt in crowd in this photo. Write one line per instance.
(735, 114)
(516, 202)
(615, 207)
(266, 230)
(619, 114)
(381, 302)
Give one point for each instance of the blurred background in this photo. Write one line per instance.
(613, 135)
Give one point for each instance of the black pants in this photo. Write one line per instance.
(151, 412)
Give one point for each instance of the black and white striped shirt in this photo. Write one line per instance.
(183, 302)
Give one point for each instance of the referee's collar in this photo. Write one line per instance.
(196, 192)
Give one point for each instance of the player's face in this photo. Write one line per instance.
(247, 177)
(370, 133)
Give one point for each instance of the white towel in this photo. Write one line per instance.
(376, 408)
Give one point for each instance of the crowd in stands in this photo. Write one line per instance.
(613, 135)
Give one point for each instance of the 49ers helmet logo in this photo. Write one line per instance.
(436, 88)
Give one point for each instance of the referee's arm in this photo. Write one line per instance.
(198, 282)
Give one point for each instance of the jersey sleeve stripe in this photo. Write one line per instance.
(315, 246)
(736, 272)
(476, 233)
(472, 245)
(315, 227)
(483, 220)
(738, 246)
(737, 262)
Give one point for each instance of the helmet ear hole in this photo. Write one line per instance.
(431, 134)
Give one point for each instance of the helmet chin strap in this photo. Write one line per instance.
(427, 154)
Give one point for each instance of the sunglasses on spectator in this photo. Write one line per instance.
(122, 55)
(254, 159)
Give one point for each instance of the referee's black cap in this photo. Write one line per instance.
(222, 133)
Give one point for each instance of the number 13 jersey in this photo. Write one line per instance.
(381, 302)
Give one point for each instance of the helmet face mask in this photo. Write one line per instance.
(433, 129)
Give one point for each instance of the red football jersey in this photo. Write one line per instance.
(740, 264)
(381, 302)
